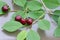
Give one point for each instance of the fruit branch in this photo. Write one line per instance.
(44, 5)
(46, 9)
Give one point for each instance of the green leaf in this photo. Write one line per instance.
(59, 1)
(55, 17)
(51, 3)
(1, 5)
(21, 13)
(32, 35)
(35, 14)
(57, 32)
(20, 2)
(12, 26)
(57, 12)
(34, 5)
(59, 21)
(22, 35)
(44, 24)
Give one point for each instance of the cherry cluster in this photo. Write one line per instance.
(28, 20)
(18, 18)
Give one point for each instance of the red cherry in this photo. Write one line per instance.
(18, 18)
(29, 21)
(23, 21)
(5, 8)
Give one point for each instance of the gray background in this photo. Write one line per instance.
(45, 35)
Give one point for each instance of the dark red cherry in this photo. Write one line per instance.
(5, 8)
(23, 21)
(29, 21)
(18, 18)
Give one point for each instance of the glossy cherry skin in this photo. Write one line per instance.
(5, 8)
(29, 21)
(18, 18)
(23, 21)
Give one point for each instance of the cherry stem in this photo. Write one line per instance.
(38, 19)
(13, 11)
(25, 11)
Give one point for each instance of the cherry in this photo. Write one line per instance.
(18, 18)
(23, 21)
(29, 21)
(5, 8)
